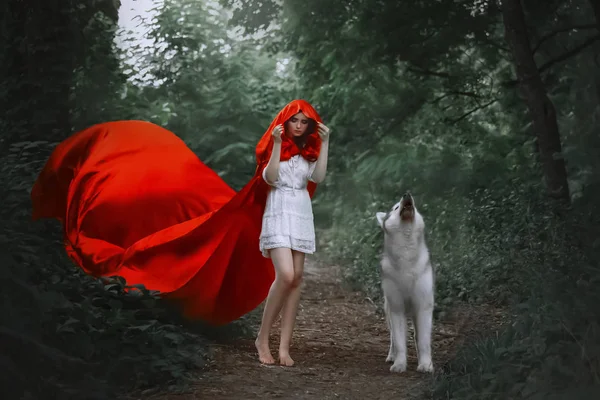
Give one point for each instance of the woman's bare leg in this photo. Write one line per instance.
(290, 309)
(280, 288)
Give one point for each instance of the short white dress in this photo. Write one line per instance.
(288, 218)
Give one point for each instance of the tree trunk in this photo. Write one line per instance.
(596, 8)
(51, 32)
(539, 105)
(16, 115)
(37, 69)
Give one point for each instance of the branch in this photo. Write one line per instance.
(574, 51)
(417, 69)
(465, 115)
(467, 94)
(577, 49)
(512, 83)
(440, 98)
(550, 35)
(472, 95)
(423, 71)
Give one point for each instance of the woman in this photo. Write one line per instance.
(136, 202)
(298, 158)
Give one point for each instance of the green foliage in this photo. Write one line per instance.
(439, 171)
(98, 92)
(69, 333)
(93, 338)
(218, 91)
(66, 334)
(420, 96)
(551, 350)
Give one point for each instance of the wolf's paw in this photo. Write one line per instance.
(398, 367)
(425, 366)
(389, 358)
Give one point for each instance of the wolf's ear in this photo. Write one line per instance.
(380, 218)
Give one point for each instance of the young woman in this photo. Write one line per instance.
(298, 161)
(136, 202)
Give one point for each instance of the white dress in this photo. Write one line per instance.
(288, 218)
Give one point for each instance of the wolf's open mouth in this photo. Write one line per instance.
(407, 210)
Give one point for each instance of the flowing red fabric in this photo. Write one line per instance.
(136, 202)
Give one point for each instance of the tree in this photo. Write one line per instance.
(540, 106)
(35, 32)
(451, 53)
(596, 9)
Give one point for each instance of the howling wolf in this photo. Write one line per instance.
(407, 280)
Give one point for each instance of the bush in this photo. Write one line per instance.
(551, 350)
(67, 335)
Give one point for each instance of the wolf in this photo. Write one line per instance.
(407, 281)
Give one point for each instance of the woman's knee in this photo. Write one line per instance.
(286, 278)
(297, 279)
(284, 266)
(289, 277)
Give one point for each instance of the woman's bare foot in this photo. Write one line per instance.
(285, 359)
(264, 354)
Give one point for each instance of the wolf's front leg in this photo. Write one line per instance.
(398, 323)
(386, 310)
(423, 325)
(424, 303)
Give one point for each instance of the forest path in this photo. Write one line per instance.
(339, 348)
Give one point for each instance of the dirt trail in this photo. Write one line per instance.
(339, 347)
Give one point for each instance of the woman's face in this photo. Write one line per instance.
(297, 125)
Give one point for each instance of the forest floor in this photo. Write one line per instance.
(339, 348)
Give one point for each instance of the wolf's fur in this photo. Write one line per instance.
(407, 280)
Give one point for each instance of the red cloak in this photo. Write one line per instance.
(136, 202)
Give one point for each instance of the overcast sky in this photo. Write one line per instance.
(129, 11)
(129, 14)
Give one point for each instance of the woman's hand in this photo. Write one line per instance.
(277, 132)
(323, 132)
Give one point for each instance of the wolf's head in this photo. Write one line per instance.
(403, 215)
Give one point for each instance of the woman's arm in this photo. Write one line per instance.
(271, 172)
(320, 170)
